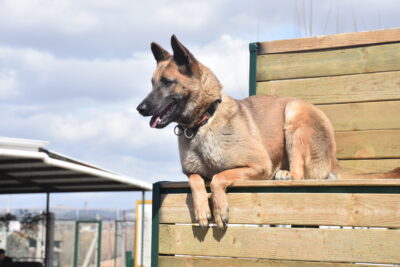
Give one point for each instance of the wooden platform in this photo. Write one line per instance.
(284, 223)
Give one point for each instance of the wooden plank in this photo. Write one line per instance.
(330, 41)
(309, 244)
(371, 165)
(370, 210)
(188, 261)
(316, 183)
(377, 58)
(368, 144)
(337, 89)
(295, 183)
(364, 116)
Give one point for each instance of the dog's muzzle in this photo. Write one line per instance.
(144, 108)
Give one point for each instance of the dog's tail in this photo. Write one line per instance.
(347, 174)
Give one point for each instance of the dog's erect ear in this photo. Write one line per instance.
(186, 62)
(160, 54)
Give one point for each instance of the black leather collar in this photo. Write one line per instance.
(190, 132)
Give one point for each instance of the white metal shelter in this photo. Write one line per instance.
(27, 166)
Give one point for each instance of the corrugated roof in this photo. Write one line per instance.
(26, 166)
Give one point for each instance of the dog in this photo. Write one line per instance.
(222, 140)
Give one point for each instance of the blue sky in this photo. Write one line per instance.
(73, 72)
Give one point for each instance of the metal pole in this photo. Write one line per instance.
(142, 237)
(115, 242)
(76, 244)
(47, 243)
(253, 47)
(99, 243)
(155, 227)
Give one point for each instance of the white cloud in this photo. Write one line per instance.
(110, 28)
(185, 15)
(8, 84)
(228, 58)
(116, 28)
(63, 16)
(45, 77)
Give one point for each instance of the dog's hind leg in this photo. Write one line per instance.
(297, 152)
(295, 143)
(310, 144)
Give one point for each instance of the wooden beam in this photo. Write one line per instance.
(337, 89)
(368, 144)
(369, 210)
(308, 244)
(188, 261)
(377, 58)
(296, 183)
(330, 41)
(370, 165)
(364, 116)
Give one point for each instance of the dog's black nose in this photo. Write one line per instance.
(143, 108)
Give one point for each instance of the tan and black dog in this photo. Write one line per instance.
(222, 140)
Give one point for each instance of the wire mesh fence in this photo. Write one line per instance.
(89, 243)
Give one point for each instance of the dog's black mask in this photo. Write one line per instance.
(163, 110)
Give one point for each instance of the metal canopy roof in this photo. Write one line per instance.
(27, 167)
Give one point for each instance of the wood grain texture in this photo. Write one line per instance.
(364, 116)
(294, 183)
(368, 144)
(330, 41)
(377, 58)
(337, 89)
(187, 261)
(373, 210)
(309, 244)
(370, 165)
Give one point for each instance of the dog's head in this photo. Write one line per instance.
(182, 87)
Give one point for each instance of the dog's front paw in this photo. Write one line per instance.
(220, 210)
(283, 175)
(202, 213)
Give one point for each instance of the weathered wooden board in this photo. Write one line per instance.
(187, 261)
(309, 244)
(371, 165)
(364, 116)
(337, 89)
(368, 144)
(376, 58)
(380, 210)
(295, 183)
(330, 41)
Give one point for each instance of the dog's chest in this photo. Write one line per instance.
(204, 154)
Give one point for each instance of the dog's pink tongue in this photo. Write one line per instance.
(155, 123)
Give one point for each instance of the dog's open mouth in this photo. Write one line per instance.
(163, 118)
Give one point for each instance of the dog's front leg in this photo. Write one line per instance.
(200, 199)
(224, 179)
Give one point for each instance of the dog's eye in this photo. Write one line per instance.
(167, 82)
